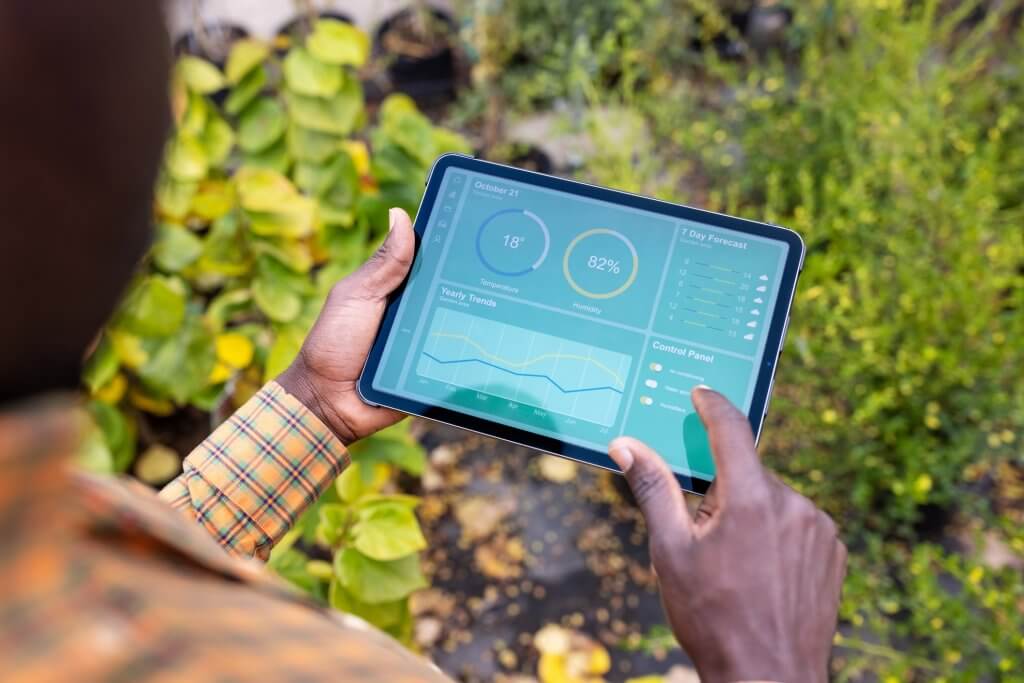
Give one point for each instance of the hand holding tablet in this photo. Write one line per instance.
(560, 315)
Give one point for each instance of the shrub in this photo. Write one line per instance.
(269, 194)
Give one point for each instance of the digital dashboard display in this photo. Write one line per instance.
(578, 318)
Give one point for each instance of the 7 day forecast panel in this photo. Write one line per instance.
(580, 319)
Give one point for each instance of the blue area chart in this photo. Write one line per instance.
(525, 367)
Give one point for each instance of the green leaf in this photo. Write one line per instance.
(246, 91)
(294, 254)
(387, 531)
(294, 217)
(225, 306)
(283, 351)
(273, 158)
(414, 133)
(225, 249)
(94, 454)
(217, 140)
(311, 145)
(182, 363)
(390, 447)
(261, 125)
(373, 581)
(306, 75)
(332, 524)
(246, 55)
(154, 308)
(338, 114)
(262, 189)
(186, 159)
(338, 42)
(196, 115)
(278, 303)
(175, 247)
(118, 432)
(199, 75)
(101, 366)
(382, 615)
(174, 198)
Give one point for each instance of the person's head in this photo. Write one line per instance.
(83, 118)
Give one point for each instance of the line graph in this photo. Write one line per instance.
(536, 369)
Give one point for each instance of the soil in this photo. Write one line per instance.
(519, 540)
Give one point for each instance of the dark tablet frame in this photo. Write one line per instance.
(773, 345)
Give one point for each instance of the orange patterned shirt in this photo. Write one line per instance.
(102, 581)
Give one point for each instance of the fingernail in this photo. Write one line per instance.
(392, 219)
(623, 457)
(702, 387)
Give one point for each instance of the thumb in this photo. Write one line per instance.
(655, 488)
(385, 270)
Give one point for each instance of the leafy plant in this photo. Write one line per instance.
(373, 538)
(272, 189)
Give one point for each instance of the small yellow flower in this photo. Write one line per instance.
(994, 441)
(937, 623)
(1007, 436)
(952, 656)
(932, 422)
(976, 575)
(923, 484)
(829, 416)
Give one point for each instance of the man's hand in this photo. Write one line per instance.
(752, 585)
(324, 374)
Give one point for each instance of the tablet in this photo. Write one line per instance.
(559, 315)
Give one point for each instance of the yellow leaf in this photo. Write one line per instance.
(113, 391)
(149, 404)
(129, 349)
(219, 373)
(157, 464)
(360, 155)
(552, 669)
(234, 350)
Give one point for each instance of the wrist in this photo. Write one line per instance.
(300, 383)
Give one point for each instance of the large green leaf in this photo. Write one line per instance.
(186, 159)
(283, 351)
(263, 190)
(338, 114)
(294, 217)
(293, 253)
(246, 91)
(196, 115)
(391, 446)
(217, 139)
(374, 581)
(261, 125)
(333, 520)
(338, 42)
(181, 364)
(310, 145)
(226, 306)
(387, 531)
(119, 433)
(382, 615)
(274, 158)
(225, 249)
(278, 303)
(199, 75)
(175, 247)
(173, 198)
(307, 75)
(246, 55)
(155, 307)
(414, 133)
(101, 366)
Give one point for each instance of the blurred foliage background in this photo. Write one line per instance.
(889, 133)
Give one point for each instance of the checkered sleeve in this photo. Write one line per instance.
(250, 480)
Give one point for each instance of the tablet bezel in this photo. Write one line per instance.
(773, 344)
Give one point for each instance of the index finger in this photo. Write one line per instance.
(732, 442)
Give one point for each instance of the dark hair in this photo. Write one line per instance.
(83, 117)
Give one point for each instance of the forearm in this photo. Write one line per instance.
(254, 476)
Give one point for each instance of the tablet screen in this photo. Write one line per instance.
(578, 318)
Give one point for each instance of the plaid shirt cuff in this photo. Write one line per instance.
(255, 475)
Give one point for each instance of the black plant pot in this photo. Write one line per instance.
(214, 46)
(428, 73)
